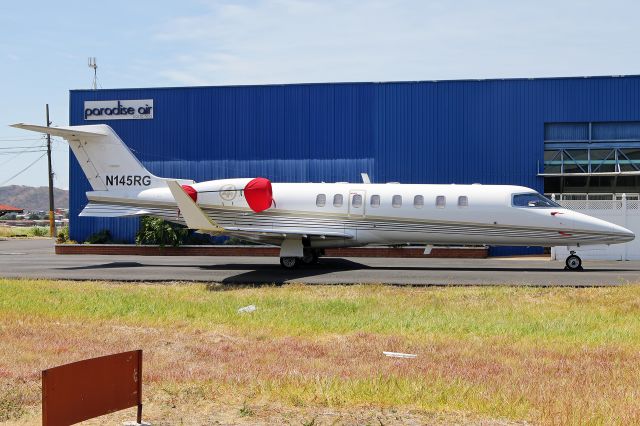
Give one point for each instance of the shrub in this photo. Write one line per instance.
(63, 235)
(102, 237)
(39, 231)
(156, 231)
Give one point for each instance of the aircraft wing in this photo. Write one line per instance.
(192, 214)
(286, 232)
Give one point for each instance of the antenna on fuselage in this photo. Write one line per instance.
(365, 178)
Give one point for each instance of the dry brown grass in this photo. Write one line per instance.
(199, 375)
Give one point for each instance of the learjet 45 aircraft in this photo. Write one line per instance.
(305, 218)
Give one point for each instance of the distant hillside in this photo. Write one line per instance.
(31, 198)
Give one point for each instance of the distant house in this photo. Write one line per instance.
(5, 208)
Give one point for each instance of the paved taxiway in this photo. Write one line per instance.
(35, 258)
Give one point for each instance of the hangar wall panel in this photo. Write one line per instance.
(487, 131)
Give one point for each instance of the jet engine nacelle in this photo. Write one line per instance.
(257, 192)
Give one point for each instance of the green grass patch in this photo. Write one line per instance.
(19, 231)
(545, 355)
(588, 316)
(433, 396)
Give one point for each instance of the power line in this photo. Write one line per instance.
(22, 151)
(20, 139)
(11, 158)
(20, 147)
(23, 170)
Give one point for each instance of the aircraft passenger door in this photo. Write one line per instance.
(357, 203)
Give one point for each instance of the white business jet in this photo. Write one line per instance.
(305, 218)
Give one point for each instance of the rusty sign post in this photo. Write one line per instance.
(90, 388)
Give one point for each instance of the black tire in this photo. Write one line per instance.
(289, 262)
(310, 258)
(574, 263)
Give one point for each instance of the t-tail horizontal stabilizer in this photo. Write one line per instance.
(192, 214)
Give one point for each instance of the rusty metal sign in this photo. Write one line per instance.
(90, 388)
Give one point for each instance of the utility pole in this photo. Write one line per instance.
(52, 219)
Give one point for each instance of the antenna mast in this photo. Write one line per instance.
(94, 65)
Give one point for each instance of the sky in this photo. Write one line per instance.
(44, 46)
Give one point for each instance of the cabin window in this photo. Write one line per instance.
(337, 200)
(418, 201)
(321, 200)
(463, 201)
(375, 201)
(396, 201)
(441, 201)
(356, 201)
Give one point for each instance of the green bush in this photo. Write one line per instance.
(39, 231)
(102, 237)
(63, 235)
(156, 231)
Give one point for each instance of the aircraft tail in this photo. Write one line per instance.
(106, 161)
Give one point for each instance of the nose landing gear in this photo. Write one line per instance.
(573, 262)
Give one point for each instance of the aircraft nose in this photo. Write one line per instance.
(616, 233)
(625, 234)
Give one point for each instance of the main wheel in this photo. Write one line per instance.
(310, 257)
(574, 263)
(289, 262)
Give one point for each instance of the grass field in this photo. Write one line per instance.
(313, 354)
(20, 231)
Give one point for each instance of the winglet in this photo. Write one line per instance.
(192, 214)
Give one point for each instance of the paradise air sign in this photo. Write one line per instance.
(138, 109)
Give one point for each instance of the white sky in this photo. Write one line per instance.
(44, 47)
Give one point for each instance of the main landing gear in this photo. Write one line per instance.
(310, 257)
(289, 262)
(573, 262)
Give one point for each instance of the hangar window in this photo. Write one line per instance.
(463, 201)
(375, 201)
(356, 200)
(321, 200)
(396, 201)
(418, 201)
(441, 201)
(583, 157)
(337, 200)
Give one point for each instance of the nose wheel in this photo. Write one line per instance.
(573, 263)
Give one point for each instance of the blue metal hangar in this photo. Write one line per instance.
(556, 135)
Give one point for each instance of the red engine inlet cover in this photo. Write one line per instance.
(191, 192)
(258, 194)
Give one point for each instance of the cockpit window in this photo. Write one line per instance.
(533, 199)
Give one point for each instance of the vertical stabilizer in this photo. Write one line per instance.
(106, 161)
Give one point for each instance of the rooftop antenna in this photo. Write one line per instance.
(94, 65)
